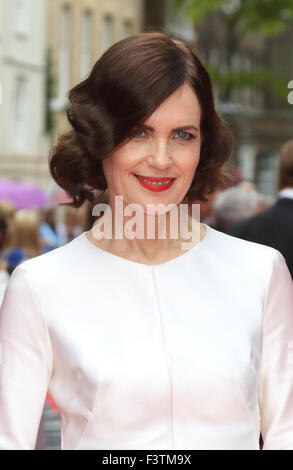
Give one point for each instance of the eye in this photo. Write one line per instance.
(185, 135)
(138, 133)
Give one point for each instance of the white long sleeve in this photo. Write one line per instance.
(276, 377)
(26, 364)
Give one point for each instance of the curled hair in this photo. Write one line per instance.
(125, 86)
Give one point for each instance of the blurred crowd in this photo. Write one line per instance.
(243, 212)
(235, 203)
(27, 233)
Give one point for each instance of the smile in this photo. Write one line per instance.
(155, 184)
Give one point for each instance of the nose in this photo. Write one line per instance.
(160, 156)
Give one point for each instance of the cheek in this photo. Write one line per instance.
(114, 166)
(189, 164)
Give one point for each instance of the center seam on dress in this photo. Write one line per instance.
(166, 356)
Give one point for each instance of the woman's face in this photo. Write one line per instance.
(167, 147)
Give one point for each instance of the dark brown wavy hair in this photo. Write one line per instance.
(125, 86)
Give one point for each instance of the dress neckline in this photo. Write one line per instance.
(198, 247)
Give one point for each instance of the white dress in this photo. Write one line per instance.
(193, 353)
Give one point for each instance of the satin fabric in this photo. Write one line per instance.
(193, 353)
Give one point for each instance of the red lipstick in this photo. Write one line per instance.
(154, 183)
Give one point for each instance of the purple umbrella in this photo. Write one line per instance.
(22, 195)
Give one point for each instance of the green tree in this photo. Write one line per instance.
(261, 18)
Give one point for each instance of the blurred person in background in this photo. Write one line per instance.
(25, 242)
(72, 225)
(50, 238)
(86, 217)
(234, 204)
(207, 214)
(247, 185)
(3, 233)
(274, 226)
(206, 208)
(8, 211)
(265, 201)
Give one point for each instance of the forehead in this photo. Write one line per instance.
(181, 106)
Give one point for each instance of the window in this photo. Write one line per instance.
(21, 16)
(246, 159)
(19, 100)
(64, 57)
(214, 56)
(86, 43)
(107, 33)
(19, 110)
(267, 170)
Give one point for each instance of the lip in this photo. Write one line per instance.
(154, 178)
(152, 187)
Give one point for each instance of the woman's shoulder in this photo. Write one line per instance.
(55, 260)
(251, 263)
(235, 245)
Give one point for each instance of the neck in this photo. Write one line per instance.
(146, 233)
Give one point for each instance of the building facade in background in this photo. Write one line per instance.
(78, 34)
(159, 16)
(261, 122)
(23, 143)
(47, 47)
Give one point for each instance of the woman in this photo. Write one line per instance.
(143, 345)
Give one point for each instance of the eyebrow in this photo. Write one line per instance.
(180, 128)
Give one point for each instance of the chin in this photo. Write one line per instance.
(152, 200)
